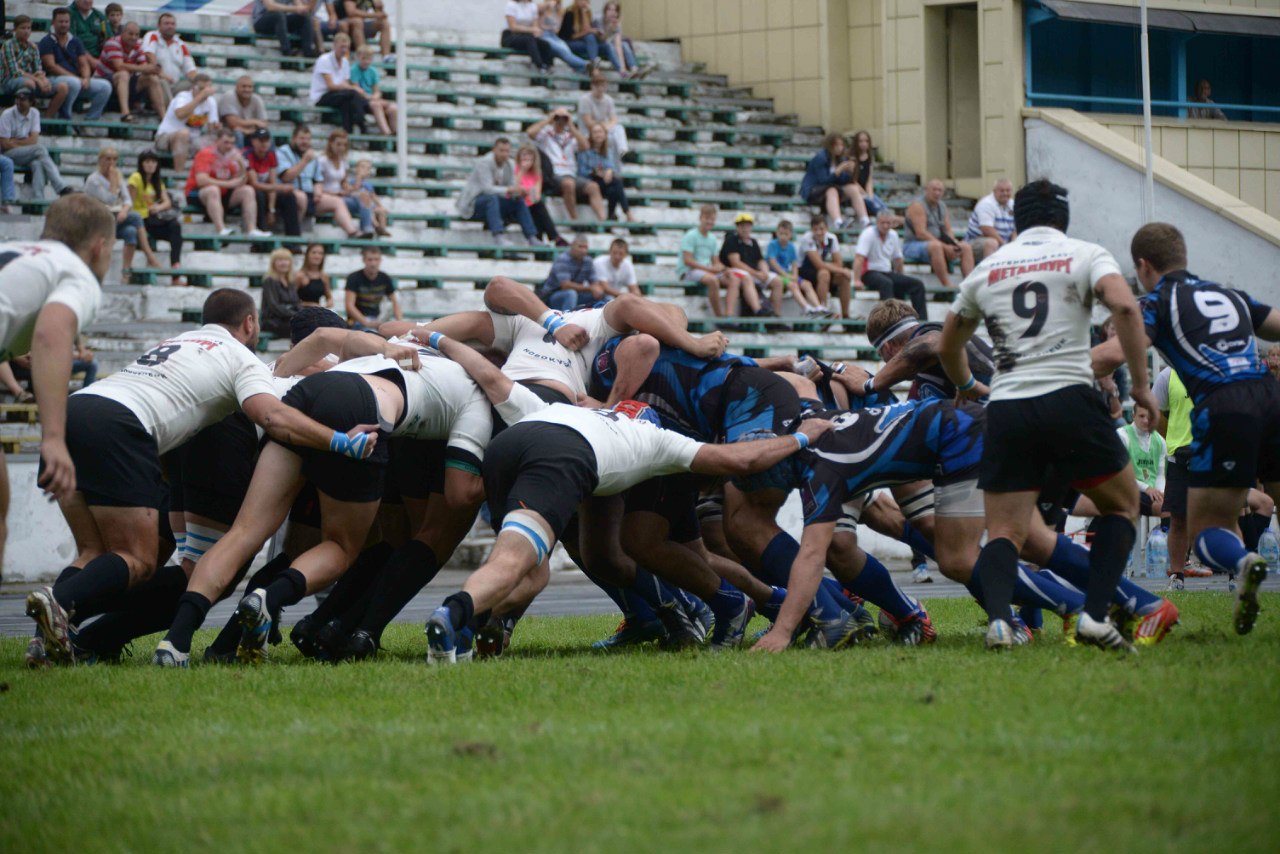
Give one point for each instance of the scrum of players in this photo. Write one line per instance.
(656, 457)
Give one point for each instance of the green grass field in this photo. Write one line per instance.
(554, 748)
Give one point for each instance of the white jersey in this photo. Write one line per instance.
(34, 274)
(441, 401)
(187, 383)
(1036, 296)
(627, 451)
(530, 356)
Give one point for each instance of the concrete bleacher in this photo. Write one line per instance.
(696, 140)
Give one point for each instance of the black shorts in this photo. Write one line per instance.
(1235, 436)
(1068, 431)
(116, 459)
(534, 465)
(416, 469)
(340, 401)
(209, 475)
(674, 497)
(1175, 482)
(306, 507)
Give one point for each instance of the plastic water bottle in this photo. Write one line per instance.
(1157, 553)
(1269, 548)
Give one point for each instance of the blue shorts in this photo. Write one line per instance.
(916, 251)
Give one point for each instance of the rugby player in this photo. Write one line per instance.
(117, 430)
(49, 290)
(1036, 295)
(539, 471)
(1205, 331)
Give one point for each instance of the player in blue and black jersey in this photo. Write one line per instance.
(1205, 331)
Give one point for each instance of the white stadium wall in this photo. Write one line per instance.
(39, 539)
(1106, 200)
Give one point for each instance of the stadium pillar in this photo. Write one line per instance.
(1148, 188)
(402, 96)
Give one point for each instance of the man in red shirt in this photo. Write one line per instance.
(218, 183)
(272, 195)
(134, 74)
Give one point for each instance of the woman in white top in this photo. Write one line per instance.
(523, 32)
(331, 85)
(336, 185)
(107, 186)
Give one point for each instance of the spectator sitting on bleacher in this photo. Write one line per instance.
(572, 281)
(784, 259)
(929, 239)
(831, 175)
(551, 16)
(217, 184)
(580, 33)
(613, 45)
(191, 116)
(89, 26)
(596, 164)
(107, 186)
(557, 138)
(991, 223)
(243, 110)
(362, 179)
(742, 256)
(10, 382)
(877, 264)
(8, 188)
(134, 76)
(366, 19)
(699, 264)
(822, 264)
(19, 368)
(300, 166)
(115, 20)
(166, 48)
(20, 63)
(528, 185)
(325, 22)
(616, 270)
(1203, 91)
(311, 281)
(273, 18)
(864, 156)
(20, 142)
(523, 32)
(152, 202)
(335, 183)
(70, 66)
(366, 289)
(597, 108)
(273, 195)
(331, 85)
(280, 301)
(366, 76)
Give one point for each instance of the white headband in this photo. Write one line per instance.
(906, 324)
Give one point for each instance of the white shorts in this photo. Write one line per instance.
(853, 510)
(959, 500)
(917, 504)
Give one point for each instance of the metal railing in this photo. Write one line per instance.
(1137, 103)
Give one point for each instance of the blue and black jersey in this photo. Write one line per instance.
(932, 382)
(1204, 331)
(883, 446)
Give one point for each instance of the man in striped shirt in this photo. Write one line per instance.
(133, 73)
(991, 223)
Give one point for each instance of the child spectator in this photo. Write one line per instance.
(742, 257)
(362, 178)
(311, 281)
(280, 300)
(191, 115)
(152, 202)
(784, 259)
(700, 265)
(616, 271)
(20, 64)
(596, 164)
(366, 76)
(528, 181)
(115, 19)
(366, 289)
(821, 264)
(107, 186)
(597, 108)
(271, 193)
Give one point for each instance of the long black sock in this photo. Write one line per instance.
(1251, 527)
(152, 607)
(192, 609)
(461, 609)
(997, 569)
(287, 589)
(346, 602)
(406, 572)
(67, 573)
(101, 586)
(1112, 542)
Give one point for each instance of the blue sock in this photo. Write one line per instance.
(1220, 549)
(1071, 562)
(876, 586)
(836, 589)
(1039, 591)
(770, 609)
(634, 609)
(1033, 617)
(776, 560)
(653, 590)
(727, 602)
(918, 541)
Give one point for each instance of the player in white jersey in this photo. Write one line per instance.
(118, 428)
(49, 290)
(550, 461)
(1036, 295)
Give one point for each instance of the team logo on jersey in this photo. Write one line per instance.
(637, 411)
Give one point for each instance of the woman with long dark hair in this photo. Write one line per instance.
(596, 164)
(311, 281)
(151, 201)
